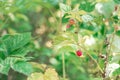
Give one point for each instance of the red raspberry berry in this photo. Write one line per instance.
(71, 21)
(68, 26)
(79, 53)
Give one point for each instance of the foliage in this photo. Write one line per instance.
(59, 39)
(13, 54)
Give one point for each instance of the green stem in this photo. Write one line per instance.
(63, 63)
(113, 35)
(93, 60)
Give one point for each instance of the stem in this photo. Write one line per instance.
(63, 58)
(93, 59)
(108, 51)
(111, 41)
(63, 63)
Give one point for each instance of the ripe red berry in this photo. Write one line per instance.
(68, 26)
(71, 21)
(79, 53)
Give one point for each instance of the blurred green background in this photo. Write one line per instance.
(42, 18)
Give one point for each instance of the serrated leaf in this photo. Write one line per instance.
(21, 52)
(13, 42)
(65, 8)
(117, 1)
(23, 67)
(4, 69)
(87, 18)
(6, 64)
(87, 6)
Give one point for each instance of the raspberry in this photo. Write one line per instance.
(71, 21)
(79, 53)
(68, 26)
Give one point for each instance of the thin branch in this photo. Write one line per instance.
(93, 59)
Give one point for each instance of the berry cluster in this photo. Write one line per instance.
(71, 22)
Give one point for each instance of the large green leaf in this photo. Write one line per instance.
(4, 69)
(3, 51)
(21, 52)
(87, 6)
(23, 67)
(6, 64)
(117, 1)
(14, 42)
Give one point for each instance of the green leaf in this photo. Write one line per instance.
(14, 42)
(6, 64)
(21, 52)
(65, 8)
(64, 19)
(87, 6)
(3, 51)
(87, 18)
(117, 1)
(116, 72)
(66, 49)
(4, 69)
(118, 33)
(102, 29)
(23, 67)
(59, 39)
